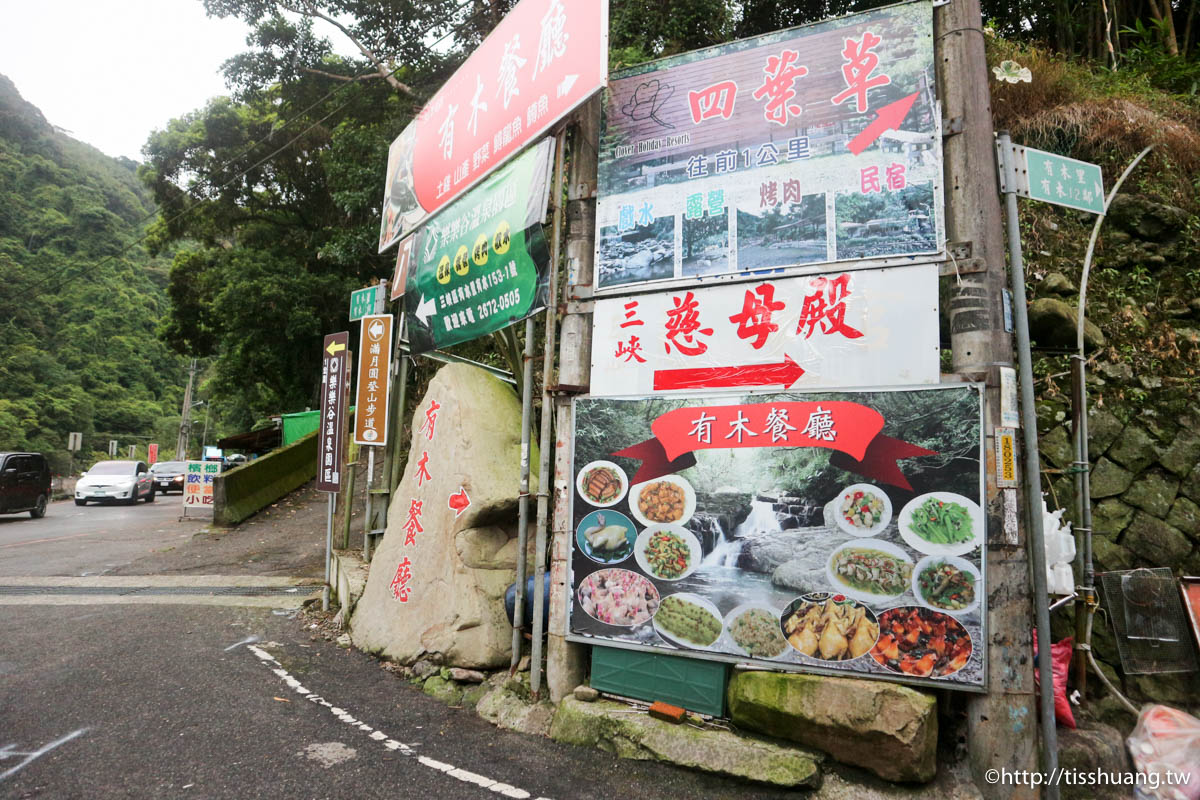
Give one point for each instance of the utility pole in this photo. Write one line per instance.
(1002, 724)
(186, 416)
(566, 662)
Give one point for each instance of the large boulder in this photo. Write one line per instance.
(449, 607)
(1089, 749)
(1108, 479)
(1146, 219)
(1135, 449)
(1156, 542)
(1153, 492)
(1052, 324)
(889, 729)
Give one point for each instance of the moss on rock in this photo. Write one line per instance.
(888, 729)
(609, 726)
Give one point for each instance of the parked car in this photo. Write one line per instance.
(24, 484)
(169, 476)
(235, 460)
(121, 481)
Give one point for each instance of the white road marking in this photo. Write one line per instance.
(7, 752)
(247, 640)
(391, 744)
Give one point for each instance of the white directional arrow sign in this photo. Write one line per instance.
(426, 309)
(567, 82)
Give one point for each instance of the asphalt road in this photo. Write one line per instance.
(104, 695)
(92, 539)
(162, 701)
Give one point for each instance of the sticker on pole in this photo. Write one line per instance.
(1006, 458)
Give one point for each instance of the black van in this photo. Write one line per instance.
(24, 484)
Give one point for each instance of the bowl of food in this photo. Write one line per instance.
(667, 552)
(941, 524)
(618, 597)
(862, 510)
(921, 642)
(688, 620)
(753, 630)
(829, 627)
(602, 484)
(606, 537)
(669, 499)
(948, 584)
(869, 570)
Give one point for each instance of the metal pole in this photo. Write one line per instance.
(544, 445)
(186, 415)
(380, 307)
(566, 661)
(367, 511)
(523, 495)
(1033, 475)
(351, 462)
(393, 480)
(980, 345)
(395, 425)
(1085, 591)
(328, 550)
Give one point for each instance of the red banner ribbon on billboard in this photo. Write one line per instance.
(851, 430)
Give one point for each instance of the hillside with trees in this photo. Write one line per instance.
(80, 302)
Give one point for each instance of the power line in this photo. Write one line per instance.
(65, 271)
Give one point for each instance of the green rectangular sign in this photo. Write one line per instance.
(480, 265)
(362, 302)
(1064, 181)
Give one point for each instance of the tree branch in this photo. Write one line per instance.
(308, 8)
(347, 78)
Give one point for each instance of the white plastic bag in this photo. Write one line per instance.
(1165, 747)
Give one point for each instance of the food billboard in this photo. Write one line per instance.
(833, 531)
(543, 60)
(805, 146)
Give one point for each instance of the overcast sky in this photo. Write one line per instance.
(112, 71)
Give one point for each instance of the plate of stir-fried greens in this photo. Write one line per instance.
(941, 524)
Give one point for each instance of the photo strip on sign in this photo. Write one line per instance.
(481, 263)
(832, 532)
(544, 59)
(806, 146)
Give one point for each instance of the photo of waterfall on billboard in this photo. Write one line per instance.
(834, 532)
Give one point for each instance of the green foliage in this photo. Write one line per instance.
(80, 308)
(1144, 54)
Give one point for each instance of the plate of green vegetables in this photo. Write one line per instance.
(941, 524)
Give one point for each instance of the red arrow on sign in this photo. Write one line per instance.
(458, 502)
(887, 118)
(785, 373)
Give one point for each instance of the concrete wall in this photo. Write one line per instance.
(244, 490)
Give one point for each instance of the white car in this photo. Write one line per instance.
(115, 481)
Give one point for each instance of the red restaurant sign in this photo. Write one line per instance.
(512, 89)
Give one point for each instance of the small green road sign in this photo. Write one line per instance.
(362, 302)
(1063, 181)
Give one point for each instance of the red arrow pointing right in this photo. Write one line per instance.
(784, 373)
(887, 118)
